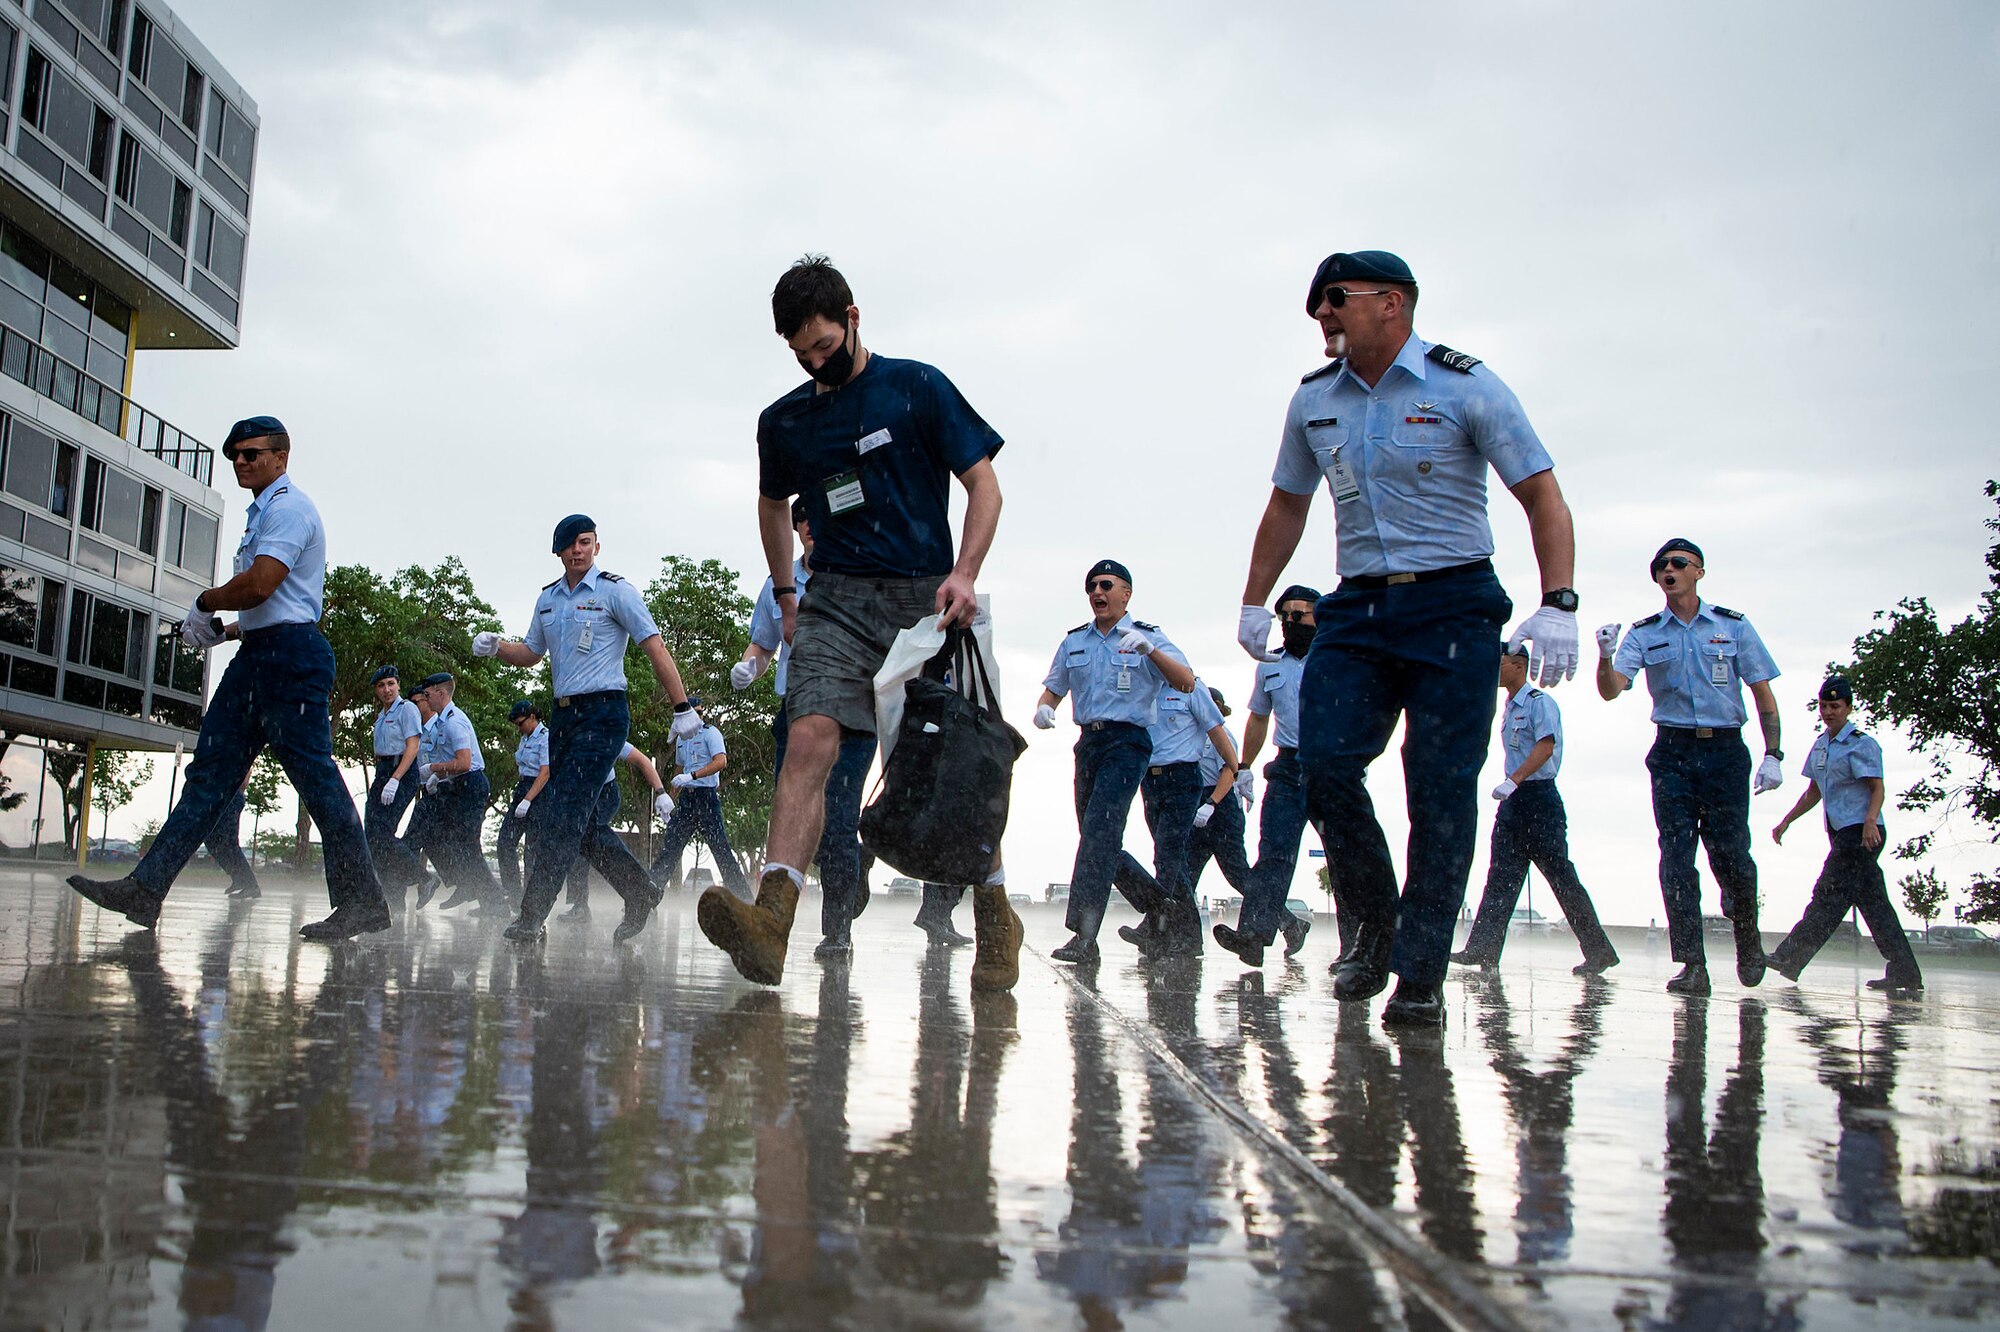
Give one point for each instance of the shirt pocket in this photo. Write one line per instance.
(1326, 437)
(1424, 449)
(1077, 664)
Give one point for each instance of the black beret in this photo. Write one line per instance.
(1677, 543)
(569, 529)
(1297, 592)
(1836, 686)
(1360, 266)
(523, 708)
(384, 673)
(442, 677)
(1112, 567)
(1216, 694)
(798, 510)
(253, 427)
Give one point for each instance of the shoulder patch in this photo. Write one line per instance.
(550, 587)
(1080, 628)
(609, 577)
(1451, 360)
(1326, 369)
(1726, 613)
(1654, 618)
(1149, 628)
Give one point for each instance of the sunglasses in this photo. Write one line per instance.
(1671, 562)
(1296, 617)
(1101, 585)
(1335, 297)
(248, 455)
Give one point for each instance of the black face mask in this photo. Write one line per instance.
(1298, 637)
(835, 369)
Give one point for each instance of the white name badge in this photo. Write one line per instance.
(585, 639)
(1344, 486)
(1125, 680)
(844, 493)
(1719, 673)
(869, 443)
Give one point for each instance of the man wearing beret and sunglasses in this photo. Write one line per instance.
(1697, 658)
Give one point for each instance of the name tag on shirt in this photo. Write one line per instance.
(1124, 679)
(585, 639)
(869, 443)
(1345, 487)
(1719, 672)
(844, 494)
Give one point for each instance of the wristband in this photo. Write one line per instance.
(683, 706)
(784, 591)
(201, 600)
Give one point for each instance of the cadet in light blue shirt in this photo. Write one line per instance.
(1530, 717)
(1177, 802)
(1697, 656)
(694, 753)
(398, 732)
(1275, 694)
(582, 623)
(1402, 432)
(283, 524)
(531, 766)
(1844, 770)
(698, 809)
(1221, 837)
(455, 794)
(1113, 669)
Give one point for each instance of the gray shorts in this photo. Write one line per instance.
(845, 630)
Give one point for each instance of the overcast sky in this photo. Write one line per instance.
(509, 260)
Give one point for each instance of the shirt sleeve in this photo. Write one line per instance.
(767, 625)
(1260, 698)
(286, 530)
(1500, 430)
(716, 744)
(462, 736)
(1206, 714)
(1631, 655)
(1545, 719)
(1297, 472)
(1866, 760)
(775, 480)
(1753, 659)
(960, 435)
(626, 754)
(537, 642)
(407, 722)
(629, 609)
(1057, 680)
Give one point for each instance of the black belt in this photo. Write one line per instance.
(1110, 726)
(275, 630)
(1701, 732)
(1159, 768)
(1370, 582)
(573, 700)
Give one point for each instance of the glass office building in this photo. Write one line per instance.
(127, 160)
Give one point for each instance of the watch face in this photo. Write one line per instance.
(1561, 599)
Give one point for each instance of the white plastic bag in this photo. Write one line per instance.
(913, 648)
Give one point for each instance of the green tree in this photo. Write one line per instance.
(1924, 893)
(66, 771)
(1941, 686)
(114, 777)
(705, 620)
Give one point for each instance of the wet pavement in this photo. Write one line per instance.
(220, 1126)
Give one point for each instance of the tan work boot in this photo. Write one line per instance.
(996, 962)
(754, 935)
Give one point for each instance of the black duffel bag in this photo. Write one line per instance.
(941, 805)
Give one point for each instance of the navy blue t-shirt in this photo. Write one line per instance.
(873, 461)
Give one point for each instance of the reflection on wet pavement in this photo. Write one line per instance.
(221, 1126)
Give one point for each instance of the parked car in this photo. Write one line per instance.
(1961, 939)
(1218, 905)
(1297, 906)
(1058, 892)
(1020, 899)
(700, 879)
(903, 886)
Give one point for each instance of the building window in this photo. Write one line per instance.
(177, 666)
(67, 116)
(30, 610)
(102, 19)
(40, 469)
(191, 538)
(229, 137)
(218, 247)
(120, 506)
(106, 636)
(153, 190)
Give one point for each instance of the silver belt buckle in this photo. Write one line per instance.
(1394, 579)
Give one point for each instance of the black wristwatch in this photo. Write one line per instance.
(1563, 598)
(784, 591)
(1777, 754)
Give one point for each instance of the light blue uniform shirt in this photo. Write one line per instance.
(1275, 694)
(767, 624)
(532, 754)
(1181, 724)
(1211, 759)
(1090, 668)
(447, 733)
(584, 630)
(285, 525)
(394, 727)
(1696, 671)
(1531, 717)
(696, 750)
(1840, 766)
(1406, 461)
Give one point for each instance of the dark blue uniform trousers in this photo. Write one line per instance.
(395, 858)
(604, 850)
(1532, 827)
(1701, 792)
(224, 843)
(451, 832)
(1426, 654)
(1281, 827)
(273, 694)
(1221, 840)
(512, 830)
(586, 736)
(1169, 793)
(840, 867)
(1850, 879)
(698, 812)
(1110, 762)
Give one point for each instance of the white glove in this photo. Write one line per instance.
(201, 629)
(431, 783)
(681, 780)
(1135, 641)
(1246, 787)
(686, 723)
(744, 673)
(1253, 631)
(424, 772)
(521, 810)
(1553, 632)
(1203, 813)
(389, 789)
(1506, 788)
(663, 806)
(1607, 640)
(1045, 717)
(1770, 775)
(486, 645)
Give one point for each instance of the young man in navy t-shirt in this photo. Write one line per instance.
(869, 444)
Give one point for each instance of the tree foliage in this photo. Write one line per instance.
(115, 776)
(1941, 686)
(1925, 894)
(260, 797)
